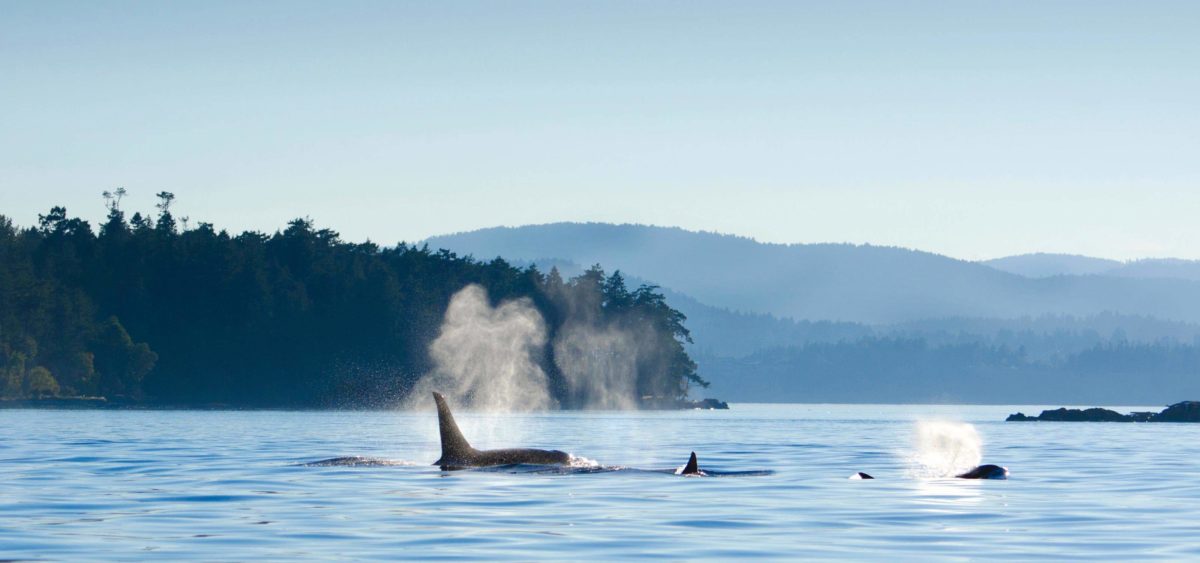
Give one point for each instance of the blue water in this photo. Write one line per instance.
(78, 485)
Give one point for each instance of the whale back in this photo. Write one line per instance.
(455, 449)
(988, 471)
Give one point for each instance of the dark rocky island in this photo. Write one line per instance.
(1186, 411)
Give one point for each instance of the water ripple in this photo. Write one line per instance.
(359, 485)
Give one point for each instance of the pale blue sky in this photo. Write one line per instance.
(974, 129)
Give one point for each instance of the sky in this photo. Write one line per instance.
(969, 128)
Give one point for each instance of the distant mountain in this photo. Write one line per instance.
(1044, 265)
(841, 282)
(1159, 268)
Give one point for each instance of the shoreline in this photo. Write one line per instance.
(103, 403)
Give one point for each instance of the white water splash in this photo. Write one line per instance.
(945, 449)
(580, 461)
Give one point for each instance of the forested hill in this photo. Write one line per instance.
(144, 311)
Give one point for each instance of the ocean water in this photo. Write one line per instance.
(222, 485)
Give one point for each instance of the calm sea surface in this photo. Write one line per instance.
(224, 485)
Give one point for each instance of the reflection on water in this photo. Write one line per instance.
(234, 485)
(948, 491)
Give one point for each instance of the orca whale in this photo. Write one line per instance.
(458, 454)
(988, 471)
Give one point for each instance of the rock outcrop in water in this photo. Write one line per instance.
(1186, 411)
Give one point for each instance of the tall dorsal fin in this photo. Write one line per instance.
(692, 466)
(455, 448)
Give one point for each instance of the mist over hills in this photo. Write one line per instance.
(860, 323)
(721, 332)
(837, 282)
(1043, 265)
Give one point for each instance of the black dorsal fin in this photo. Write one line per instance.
(692, 467)
(455, 448)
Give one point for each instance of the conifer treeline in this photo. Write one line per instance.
(148, 311)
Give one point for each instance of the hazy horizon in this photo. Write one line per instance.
(1034, 252)
(97, 218)
(970, 130)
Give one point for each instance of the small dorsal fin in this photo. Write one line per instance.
(692, 467)
(455, 448)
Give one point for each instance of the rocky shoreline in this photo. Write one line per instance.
(1186, 411)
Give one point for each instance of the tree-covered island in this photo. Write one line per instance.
(147, 310)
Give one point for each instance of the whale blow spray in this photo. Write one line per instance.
(485, 357)
(490, 358)
(945, 449)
